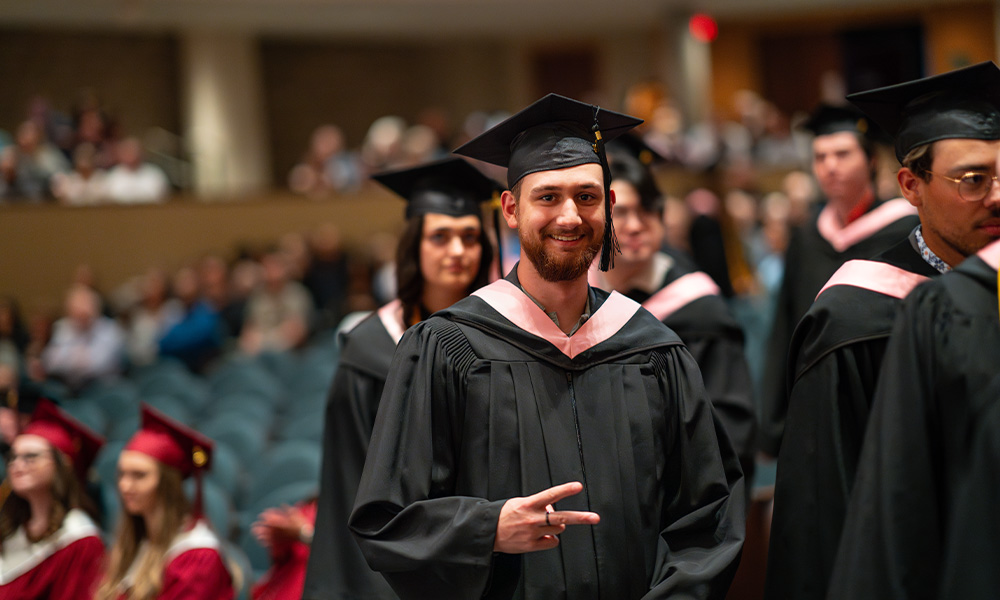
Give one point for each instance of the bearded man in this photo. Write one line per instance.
(543, 438)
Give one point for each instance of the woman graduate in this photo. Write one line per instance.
(164, 550)
(444, 254)
(51, 548)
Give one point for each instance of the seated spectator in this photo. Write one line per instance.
(151, 318)
(243, 281)
(134, 181)
(9, 189)
(13, 333)
(196, 338)
(278, 313)
(37, 162)
(85, 346)
(51, 547)
(326, 276)
(85, 184)
(287, 534)
(327, 167)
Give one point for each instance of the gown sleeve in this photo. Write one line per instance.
(892, 529)
(973, 548)
(727, 381)
(197, 574)
(701, 539)
(827, 417)
(426, 542)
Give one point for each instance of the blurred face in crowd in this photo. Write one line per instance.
(559, 216)
(954, 227)
(640, 232)
(31, 465)
(138, 480)
(130, 153)
(82, 307)
(450, 251)
(186, 286)
(274, 270)
(842, 168)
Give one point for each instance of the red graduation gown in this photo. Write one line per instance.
(194, 568)
(65, 566)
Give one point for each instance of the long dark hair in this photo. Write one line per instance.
(67, 494)
(409, 279)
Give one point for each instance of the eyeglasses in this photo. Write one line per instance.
(28, 458)
(972, 187)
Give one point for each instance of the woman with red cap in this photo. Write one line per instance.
(51, 548)
(164, 550)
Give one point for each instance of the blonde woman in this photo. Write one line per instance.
(51, 548)
(164, 550)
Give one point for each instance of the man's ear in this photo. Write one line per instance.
(911, 186)
(508, 204)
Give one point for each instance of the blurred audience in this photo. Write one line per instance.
(197, 337)
(327, 165)
(151, 318)
(133, 180)
(85, 345)
(279, 312)
(85, 184)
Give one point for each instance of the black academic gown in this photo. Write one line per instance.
(481, 407)
(836, 356)
(336, 568)
(689, 302)
(815, 251)
(973, 546)
(942, 353)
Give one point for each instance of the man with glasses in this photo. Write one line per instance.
(947, 135)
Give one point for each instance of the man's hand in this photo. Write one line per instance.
(531, 524)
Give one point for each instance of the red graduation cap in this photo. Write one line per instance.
(74, 439)
(174, 445)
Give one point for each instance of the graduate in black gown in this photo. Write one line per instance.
(973, 545)
(838, 347)
(686, 300)
(542, 438)
(852, 223)
(917, 451)
(443, 255)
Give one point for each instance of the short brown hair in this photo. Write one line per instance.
(919, 160)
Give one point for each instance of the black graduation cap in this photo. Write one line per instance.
(555, 132)
(449, 187)
(828, 119)
(634, 146)
(959, 104)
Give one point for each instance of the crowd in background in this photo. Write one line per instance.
(269, 299)
(77, 158)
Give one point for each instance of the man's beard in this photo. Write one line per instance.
(560, 266)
